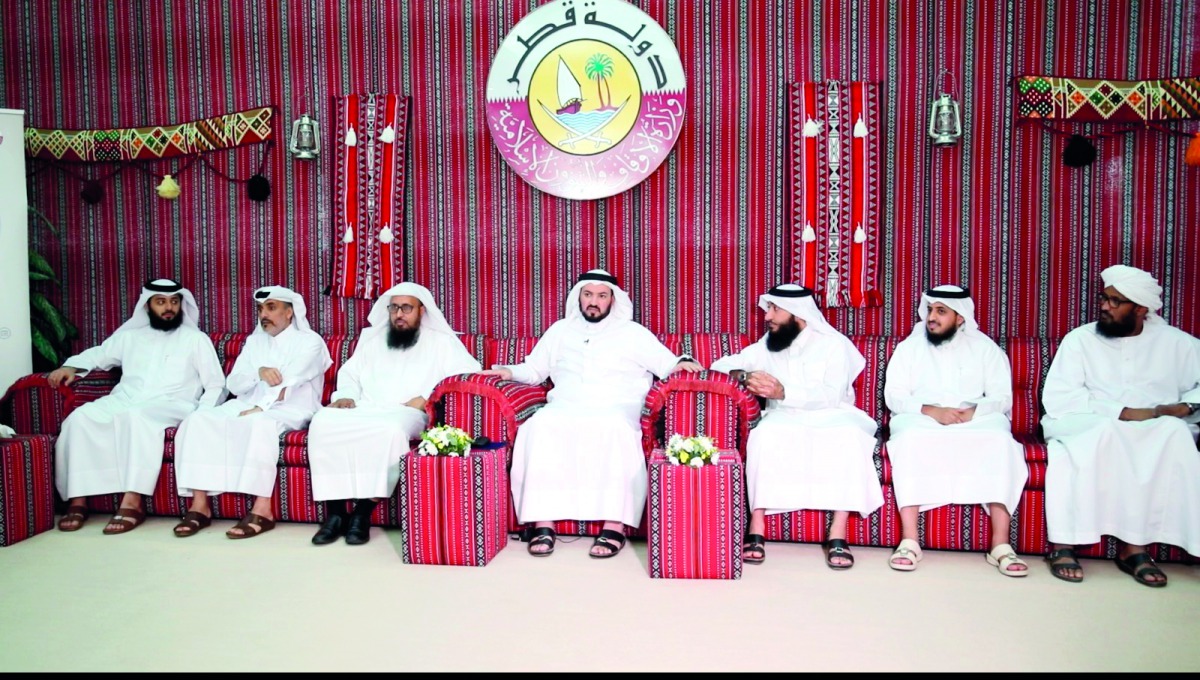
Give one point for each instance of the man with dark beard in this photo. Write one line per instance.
(115, 444)
(1121, 410)
(355, 443)
(580, 457)
(813, 448)
(949, 388)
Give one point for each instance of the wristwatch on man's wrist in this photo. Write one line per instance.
(1193, 408)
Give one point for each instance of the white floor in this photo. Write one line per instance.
(148, 601)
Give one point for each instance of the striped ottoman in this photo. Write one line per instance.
(26, 487)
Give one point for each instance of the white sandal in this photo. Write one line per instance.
(1003, 556)
(909, 550)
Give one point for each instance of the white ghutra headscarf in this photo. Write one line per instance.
(432, 321)
(957, 298)
(296, 300)
(141, 315)
(622, 306)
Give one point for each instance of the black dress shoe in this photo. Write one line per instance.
(360, 529)
(331, 530)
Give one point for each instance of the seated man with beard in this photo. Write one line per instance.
(1120, 425)
(580, 456)
(355, 443)
(813, 448)
(949, 388)
(168, 367)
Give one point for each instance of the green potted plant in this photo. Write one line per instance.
(52, 331)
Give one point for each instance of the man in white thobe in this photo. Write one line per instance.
(1121, 410)
(115, 444)
(949, 388)
(813, 448)
(355, 443)
(278, 380)
(580, 456)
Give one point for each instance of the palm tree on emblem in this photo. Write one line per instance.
(599, 68)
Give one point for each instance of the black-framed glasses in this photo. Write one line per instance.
(405, 308)
(1113, 302)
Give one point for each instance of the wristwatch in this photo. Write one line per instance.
(1193, 408)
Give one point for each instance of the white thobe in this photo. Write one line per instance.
(115, 444)
(580, 456)
(1137, 481)
(965, 463)
(813, 449)
(217, 450)
(355, 453)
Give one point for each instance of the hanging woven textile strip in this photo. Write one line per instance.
(370, 137)
(150, 143)
(835, 165)
(1108, 101)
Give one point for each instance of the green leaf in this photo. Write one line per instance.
(44, 347)
(45, 220)
(72, 331)
(37, 263)
(44, 309)
(38, 276)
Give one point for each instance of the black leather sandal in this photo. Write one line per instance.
(838, 547)
(1061, 569)
(613, 541)
(756, 544)
(542, 536)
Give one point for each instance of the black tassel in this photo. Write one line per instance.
(259, 188)
(1079, 152)
(92, 193)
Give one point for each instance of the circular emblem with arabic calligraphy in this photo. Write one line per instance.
(586, 98)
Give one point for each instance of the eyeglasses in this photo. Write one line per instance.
(1113, 302)
(405, 308)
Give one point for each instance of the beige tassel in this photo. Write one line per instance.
(811, 128)
(168, 188)
(860, 128)
(351, 138)
(348, 237)
(385, 235)
(860, 235)
(388, 135)
(809, 234)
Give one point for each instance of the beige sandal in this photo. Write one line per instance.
(1003, 556)
(907, 550)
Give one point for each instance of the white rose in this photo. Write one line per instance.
(696, 462)
(715, 458)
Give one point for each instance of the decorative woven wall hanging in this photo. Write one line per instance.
(370, 135)
(835, 163)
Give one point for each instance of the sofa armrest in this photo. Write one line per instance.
(485, 405)
(706, 402)
(33, 406)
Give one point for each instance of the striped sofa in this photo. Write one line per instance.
(706, 403)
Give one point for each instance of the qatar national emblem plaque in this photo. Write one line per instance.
(586, 97)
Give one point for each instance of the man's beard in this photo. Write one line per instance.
(1114, 328)
(782, 338)
(596, 319)
(402, 338)
(936, 339)
(166, 325)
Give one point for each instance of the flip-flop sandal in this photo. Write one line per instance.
(1061, 569)
(126, 520)
(251, 525)
(1139, 566)
(75, 513)
(192, 523)
(838, 547)
(754, 543)
(1002, 557)
(613, 540)
(909, 550)
(542, 536)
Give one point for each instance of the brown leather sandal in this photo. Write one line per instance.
(251, 525)
(75, 513)
(126, 519)
(192, 523)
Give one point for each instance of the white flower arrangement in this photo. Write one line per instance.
(444, 440)
(692, 451)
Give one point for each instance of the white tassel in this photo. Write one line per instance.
(860, 128)
(388, 135)
(348, 237)
(860, 235)
(351, 138)
(811, 128)
(385, 235)
(809, 234)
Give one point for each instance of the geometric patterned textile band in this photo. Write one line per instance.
(1108, 101)
(835, 165)
(149, 143)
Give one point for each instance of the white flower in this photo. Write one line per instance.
(714, 458)
(696, 462)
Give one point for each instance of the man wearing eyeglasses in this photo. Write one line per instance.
(1120, 423)
(355, 443)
